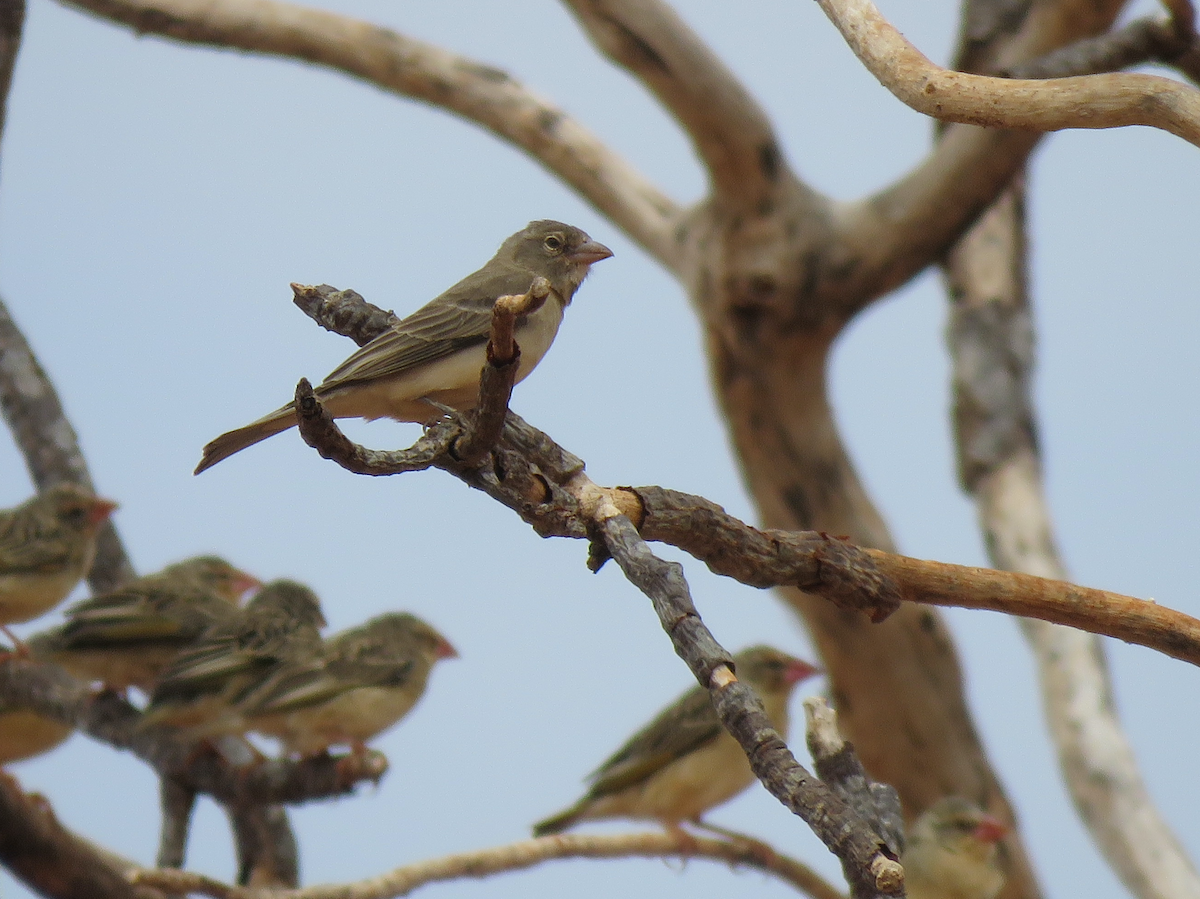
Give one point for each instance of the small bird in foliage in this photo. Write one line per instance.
(128, 637)
(684, 763)
(370, 677)
(951, 853)
(46, 547)
(438, 352)
(200, 689)
(24, 734)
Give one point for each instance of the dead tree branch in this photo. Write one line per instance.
(477, 92)
(516, 857)
(50, 859)
(1091, 101)
(991, 342)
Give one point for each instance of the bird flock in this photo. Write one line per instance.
(215, 653)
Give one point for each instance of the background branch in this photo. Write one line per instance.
(478, 92)
(991, 341)
(518, 856)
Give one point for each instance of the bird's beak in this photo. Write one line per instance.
(589, 252)
(242, 581)
(445, 650)
(100, 510)
(798, 670)
(989, 830)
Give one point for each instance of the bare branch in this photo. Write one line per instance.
(50, 859)
(731, 133)
(516, 857)
(836, 764)
(343, 312)
(177, 802)
(547, 487)
(410, 68)
(1140, 41)
(991, 343)
(499, 374)
(1093, 101)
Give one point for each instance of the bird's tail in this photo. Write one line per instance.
(560, 822)
(235, 441)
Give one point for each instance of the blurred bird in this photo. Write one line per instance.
(371, 677)
(46, 547)
(438, 352)
(128, 637)
(951, 853)
(24, 734)
(684, 763)
(198, 691)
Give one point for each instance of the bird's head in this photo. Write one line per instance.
(216, 575)
(76, 507)
(769, 670)
(560, 253)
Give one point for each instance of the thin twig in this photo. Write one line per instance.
(51, 860)
(844, 831)
(516, 857)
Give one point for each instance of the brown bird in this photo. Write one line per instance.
(684, 763)
(437, 353)
(127, 638)
(370, 677)
(198, 692)
(24, 734)
(46, 547)
(951, 853)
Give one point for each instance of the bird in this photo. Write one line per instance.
(200, 689)
(370, 677)
(47, 544)
(436, 354)
(128, 637)
(24, 734)
(951, 853)
(684, 763)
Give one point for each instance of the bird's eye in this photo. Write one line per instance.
(553, 243)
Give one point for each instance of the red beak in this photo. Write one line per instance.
(589, 252)
(989, 830)
(100, 510)
(445, 650)
(799, 670)
(242, 581)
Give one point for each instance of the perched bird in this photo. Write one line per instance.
(684, 762)
(128, 637)
(46, 547)
(370, 677)
(951, 853)
(201, 687)
(438, 352)
(24, 734)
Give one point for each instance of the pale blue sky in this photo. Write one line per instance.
(155, 202)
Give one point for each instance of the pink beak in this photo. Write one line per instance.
(589, 252)
(800, 670)
(446, 651)
(100, 510)
(989, 830)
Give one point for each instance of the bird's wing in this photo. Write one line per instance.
(296, 687)
(26, 545)
(146, 611)
(681, 728)
(460, 317)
